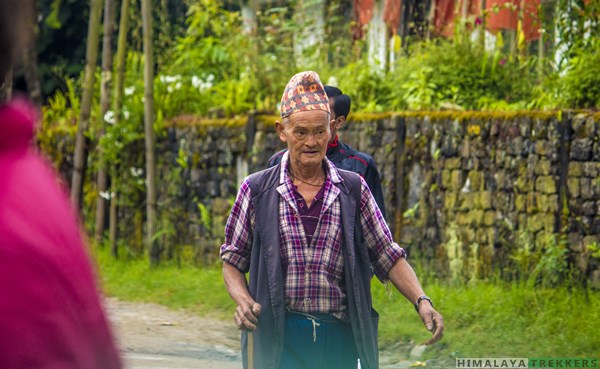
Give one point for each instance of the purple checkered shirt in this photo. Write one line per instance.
(313, 274)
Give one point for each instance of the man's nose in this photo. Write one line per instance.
(311, 139)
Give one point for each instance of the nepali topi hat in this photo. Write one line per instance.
(304, 92)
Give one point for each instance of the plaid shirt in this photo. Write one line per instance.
(313, 274)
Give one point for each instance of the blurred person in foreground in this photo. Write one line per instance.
(51, 315)
(343, 155)
(310, 236)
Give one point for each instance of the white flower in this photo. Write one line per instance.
(196, 81)
(136, 172)
(170, 79)
(106, 195)
(109, 117)
(129, 90)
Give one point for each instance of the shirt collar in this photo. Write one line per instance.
(333, 146)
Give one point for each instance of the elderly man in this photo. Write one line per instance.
(310, 236)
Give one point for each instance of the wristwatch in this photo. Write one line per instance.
(421, 298)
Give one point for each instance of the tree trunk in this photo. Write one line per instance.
(152, 244)
(86, 102)
(30, 66)
(118, 95)
(6, 87)
(109, 23)
(431, 19)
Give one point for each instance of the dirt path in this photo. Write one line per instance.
(153, 336)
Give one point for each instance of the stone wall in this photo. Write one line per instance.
(471, 194)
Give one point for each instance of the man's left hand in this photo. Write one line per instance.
(434, 322)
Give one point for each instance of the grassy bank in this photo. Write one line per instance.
(482, 320)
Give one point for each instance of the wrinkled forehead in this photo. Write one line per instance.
(314, 118)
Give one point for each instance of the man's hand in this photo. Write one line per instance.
(434, 322)
(247, 310)
(246, 315)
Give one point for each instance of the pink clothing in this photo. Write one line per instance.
(51, 315)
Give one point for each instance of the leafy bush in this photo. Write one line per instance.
(232, 70)
(582, 78)
(441, 73)
(366, 85)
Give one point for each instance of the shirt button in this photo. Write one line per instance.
(308, 270)
(307, 300)
(297, 215)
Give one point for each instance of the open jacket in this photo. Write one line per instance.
(266, 274)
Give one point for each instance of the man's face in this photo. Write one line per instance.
(306, 134)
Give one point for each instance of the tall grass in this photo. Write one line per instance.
(201, 291)
(483, 319)
(498, 320)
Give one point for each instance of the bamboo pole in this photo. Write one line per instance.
(86, 102)
(250, 350)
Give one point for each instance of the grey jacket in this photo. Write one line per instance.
(266, 275)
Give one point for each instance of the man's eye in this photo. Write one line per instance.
(320, 134)
(300, 134)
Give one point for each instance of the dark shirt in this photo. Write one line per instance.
(345, 157)
(310, 215)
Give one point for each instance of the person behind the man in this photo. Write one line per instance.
(342, 154)
(308, 234)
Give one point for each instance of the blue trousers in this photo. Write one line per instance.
(317, 341)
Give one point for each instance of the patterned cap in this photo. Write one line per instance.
(304, 92)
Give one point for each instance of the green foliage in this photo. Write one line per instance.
(445, 73)
(541, 263)
(577, 27)
(59, 119)
(552, 267)
(208, 44)
(205, 217)
(582, 77)
(60, 42)
(222, 68)
(594, 250)
(132, 279)
(231, 70)
(366, 85)
(52, 20)
(493, 320)
(420, 91)
(126, 126)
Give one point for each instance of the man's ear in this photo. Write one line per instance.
(339, 122)
(280, 128)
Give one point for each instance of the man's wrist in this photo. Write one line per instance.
(420, 299)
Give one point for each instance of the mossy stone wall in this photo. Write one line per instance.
(465, 191)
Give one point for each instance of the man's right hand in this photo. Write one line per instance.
(247, 310)
(246, 315)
